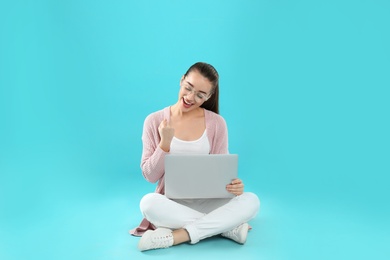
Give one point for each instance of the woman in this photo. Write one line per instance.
(192, 125)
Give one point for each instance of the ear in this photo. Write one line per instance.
(182, 78)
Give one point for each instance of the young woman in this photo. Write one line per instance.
(192, 125)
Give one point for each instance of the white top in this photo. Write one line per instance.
(200, 146)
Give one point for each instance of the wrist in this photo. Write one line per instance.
(165, 147)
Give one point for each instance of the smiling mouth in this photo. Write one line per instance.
(186, 103)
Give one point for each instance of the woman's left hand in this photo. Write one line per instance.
(236, 187)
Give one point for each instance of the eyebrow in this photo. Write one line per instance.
(189, 83)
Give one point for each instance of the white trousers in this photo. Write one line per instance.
(201, 218)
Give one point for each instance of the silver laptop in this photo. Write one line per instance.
(199, 176)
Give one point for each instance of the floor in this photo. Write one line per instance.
(94, 225)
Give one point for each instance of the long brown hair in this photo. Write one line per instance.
(209, 72)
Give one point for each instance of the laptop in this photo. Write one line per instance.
(189, 176)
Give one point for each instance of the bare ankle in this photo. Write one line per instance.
(180, 236)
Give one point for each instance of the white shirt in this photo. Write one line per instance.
(200, 146)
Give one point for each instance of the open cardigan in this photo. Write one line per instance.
(152, 161)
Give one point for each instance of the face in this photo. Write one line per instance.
(195, 89)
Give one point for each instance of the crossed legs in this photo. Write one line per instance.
(198, 219)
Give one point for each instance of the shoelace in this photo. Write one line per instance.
(162, 241)
(230, 233)
(233, 232)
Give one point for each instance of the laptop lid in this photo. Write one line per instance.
(189, 176)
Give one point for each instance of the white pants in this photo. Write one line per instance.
(201, 218)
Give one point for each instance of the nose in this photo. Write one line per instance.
(191, 94)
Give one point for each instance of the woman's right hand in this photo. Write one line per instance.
(166, 134)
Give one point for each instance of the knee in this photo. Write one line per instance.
(148, 201)
(253, 201)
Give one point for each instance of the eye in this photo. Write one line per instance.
(188, 88)
(201, 96)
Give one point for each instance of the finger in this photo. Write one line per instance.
(235, 189)
(235, 184)
(231, 190)
(163, 123)
(236, 181)
(235, 192)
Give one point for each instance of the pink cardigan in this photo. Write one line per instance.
(152, 161)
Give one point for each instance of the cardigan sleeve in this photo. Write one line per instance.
(218, 133)
(152, 161)
(221, 142)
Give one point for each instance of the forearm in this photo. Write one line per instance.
(153, 166)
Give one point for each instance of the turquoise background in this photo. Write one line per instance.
(304, 91)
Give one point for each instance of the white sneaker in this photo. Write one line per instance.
(238, 234)
(153, 239)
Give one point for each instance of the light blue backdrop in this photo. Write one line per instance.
(304, 90)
